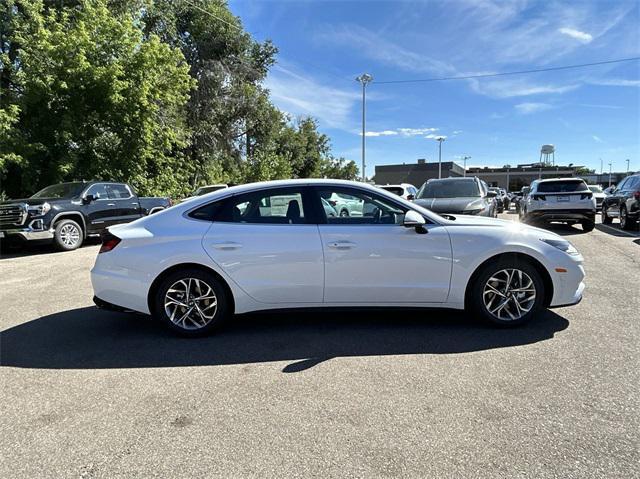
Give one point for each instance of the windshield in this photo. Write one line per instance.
(595, 188)
(62, 190)
(561, 187)
(449, 189)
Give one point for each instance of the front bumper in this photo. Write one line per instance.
(35, 231)
(562, 215)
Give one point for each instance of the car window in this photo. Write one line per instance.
(449, 189)
(365, 208)
(561, 187)
(631, 183)
(117, 191)
(397, 190)
(272, 206)
(98, 191)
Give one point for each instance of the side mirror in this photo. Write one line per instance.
(413, 219)
(88, 199)
(491, 194)
(410, 197)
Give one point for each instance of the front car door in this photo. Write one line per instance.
(268, 242)
(374, 259)
(613, 201)
(98, 212)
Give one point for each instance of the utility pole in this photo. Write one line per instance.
(609, 174)
(627, 160)
(600, 179)
(465, 158)
(364, 79)
(440, 139)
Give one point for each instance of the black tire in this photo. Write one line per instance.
(68, 235)
(222, 311)
(625, 222)
(344, 213)
(476, 293)
(606, 219)
(587, 226)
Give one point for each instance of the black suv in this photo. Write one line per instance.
(67, 213)
(623, 203)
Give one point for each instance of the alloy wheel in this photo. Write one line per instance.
(70, 235)
(190, 303)
(623, 218)
(509, 294)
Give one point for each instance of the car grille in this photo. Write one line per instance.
(12, 215)
(599, 201)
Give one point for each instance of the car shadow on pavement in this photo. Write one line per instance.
(615, 230)
(8, 251)
(90, 338)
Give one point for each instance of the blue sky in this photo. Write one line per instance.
(588, 113)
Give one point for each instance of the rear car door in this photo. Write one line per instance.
(374, 259)
(613, 200)
(268, 242)
(125, 204)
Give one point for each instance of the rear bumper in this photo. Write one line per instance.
(562, 215)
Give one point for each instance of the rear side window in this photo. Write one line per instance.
(562, 187)
(272, 206)
(206, 212)
(117, 191)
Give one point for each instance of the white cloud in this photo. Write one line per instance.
(597, 138)
(401, 132)
(577, 34)
(431, 136)
(380, 133)
(615, 82)
(519, 87)
(303, 95)
(528, 108)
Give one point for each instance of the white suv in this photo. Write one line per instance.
(566, 200)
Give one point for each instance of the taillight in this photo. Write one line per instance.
(539, 197)
(109, 241)
(586, 196)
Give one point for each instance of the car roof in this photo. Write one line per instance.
(553, 180)
(455, 178)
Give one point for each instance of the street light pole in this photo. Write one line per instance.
(508, 167)
(364, 79)
(465, 158)
(627, 166)
(440, 139)
(609, 174)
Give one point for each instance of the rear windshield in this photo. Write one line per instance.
(449, 189)
(562, 187)
(394, 189)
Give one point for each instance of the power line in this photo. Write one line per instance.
(204, 10)
(521, 72)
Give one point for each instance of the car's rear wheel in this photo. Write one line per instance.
(192, 302)
(67, 235)
(606, 219)
(508, 292)
(344, 213)
(587, 226)
(625, 222)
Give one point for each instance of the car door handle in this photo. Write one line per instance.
(111, 204)
(342, 245)
(226, 245)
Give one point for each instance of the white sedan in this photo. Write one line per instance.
(271, 246)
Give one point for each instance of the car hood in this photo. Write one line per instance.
(35, 201)
(510, 227)
(450, 205)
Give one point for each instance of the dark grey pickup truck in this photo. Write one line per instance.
(67, 213)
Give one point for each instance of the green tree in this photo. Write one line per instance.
(96, 99)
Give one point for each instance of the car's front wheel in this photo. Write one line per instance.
(67, 235)
(344, 214)
(191, 302)
(507, 293)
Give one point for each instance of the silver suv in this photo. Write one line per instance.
(565, 200)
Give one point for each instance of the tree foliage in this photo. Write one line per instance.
(156, 93)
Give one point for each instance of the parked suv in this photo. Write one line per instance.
(623, 203)
(67, 213)
(405, 190)
(566, 200)
(465, 196)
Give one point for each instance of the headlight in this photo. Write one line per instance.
(562, 245)
(39, 210)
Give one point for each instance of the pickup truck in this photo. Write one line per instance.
(67, 213)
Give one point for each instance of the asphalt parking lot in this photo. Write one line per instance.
(89, 393)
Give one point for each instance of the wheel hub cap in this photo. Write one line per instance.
(509, 294)
(190, 303)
